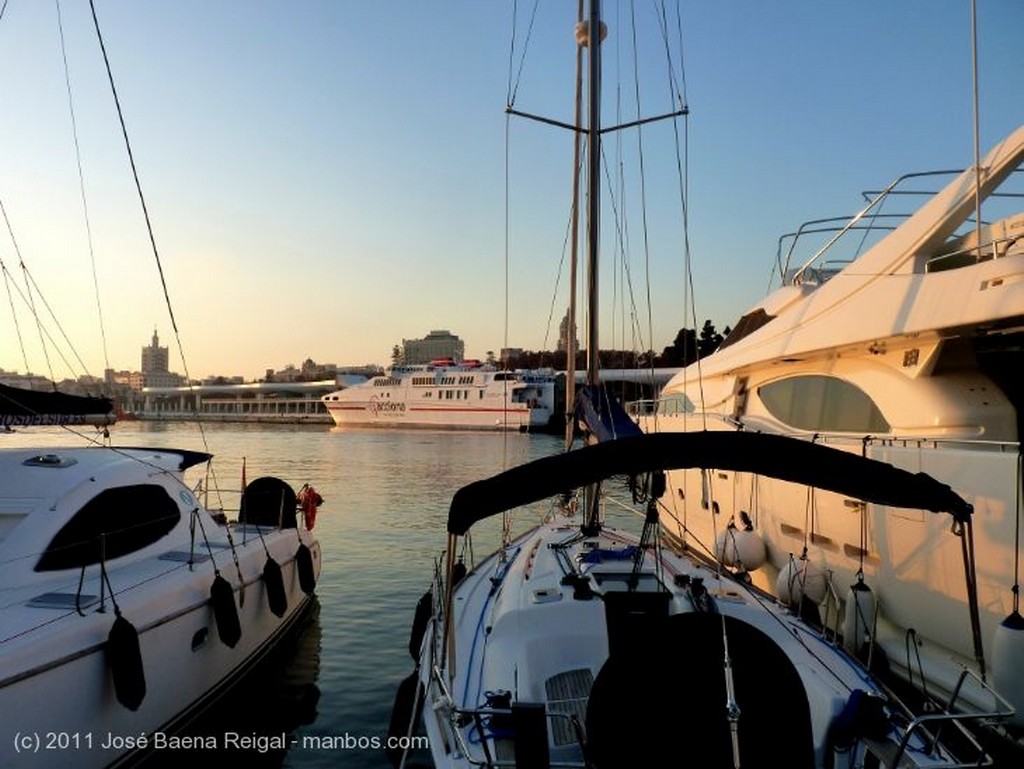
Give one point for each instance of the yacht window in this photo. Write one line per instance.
(675, 403)
(128, 517)
(822, 404)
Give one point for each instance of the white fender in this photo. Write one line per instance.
(858, 616)
(741, 548)
(799, 579)
(1008, 663)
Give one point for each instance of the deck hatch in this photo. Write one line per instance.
(567, 695)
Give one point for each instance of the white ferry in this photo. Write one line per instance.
(447, 395)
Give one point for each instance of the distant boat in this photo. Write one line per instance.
(907, 349)
(447, 396)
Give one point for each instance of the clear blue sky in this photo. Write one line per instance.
(327, 178)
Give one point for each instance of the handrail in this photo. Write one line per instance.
(975, 251)
(456, 715)
(798, 276)
(648, 406)
(873, 198)
(957, 719)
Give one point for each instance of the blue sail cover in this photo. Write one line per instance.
(602, 415)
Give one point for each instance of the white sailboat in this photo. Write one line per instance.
(581, 645)
(908, 352)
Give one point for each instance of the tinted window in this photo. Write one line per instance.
(675, 403)
(128, 518)
(822, 404)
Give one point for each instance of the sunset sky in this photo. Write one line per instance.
(327, 177)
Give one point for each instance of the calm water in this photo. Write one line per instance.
(381, 527)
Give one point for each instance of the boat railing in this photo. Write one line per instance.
(993, 248)
(479, 753)
(928, 727)
(870, 220)
(669, 406)
(854, 223)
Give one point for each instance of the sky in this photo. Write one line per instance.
(325, 178)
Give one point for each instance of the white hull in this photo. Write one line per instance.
(909, 355)
(535, 628)
(56, 686)
(445, 398)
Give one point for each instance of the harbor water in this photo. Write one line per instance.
(330, 689)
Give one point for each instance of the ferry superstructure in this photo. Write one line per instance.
(447, 397)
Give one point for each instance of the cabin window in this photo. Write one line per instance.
(822, 404)
(674, 404)
(127, 518)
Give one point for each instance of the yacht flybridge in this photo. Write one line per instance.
(906, 348)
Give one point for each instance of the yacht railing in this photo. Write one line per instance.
(671, 407)
(870, 220)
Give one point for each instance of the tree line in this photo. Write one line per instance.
(688, 347)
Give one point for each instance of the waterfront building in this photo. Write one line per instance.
(563, 335)
(290, 402)
(435, 345)
(154, 369)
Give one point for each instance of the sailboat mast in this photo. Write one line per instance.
(593, 186)
(590, 493)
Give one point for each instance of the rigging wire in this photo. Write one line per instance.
(8, 281)
(81, 185)
(32, 289)
(146, 217)
(643, 183)
(513, 86)
(29, 284)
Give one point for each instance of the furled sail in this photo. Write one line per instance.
(602, 415)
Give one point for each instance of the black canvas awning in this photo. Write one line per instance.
(788, 459)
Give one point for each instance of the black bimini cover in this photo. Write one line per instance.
(776, 456)
(603, 415)
(27, 408)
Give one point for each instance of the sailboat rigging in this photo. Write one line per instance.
(129, 605)
(581, 645)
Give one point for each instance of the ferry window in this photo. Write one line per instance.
(128, 517)
(822, 403)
